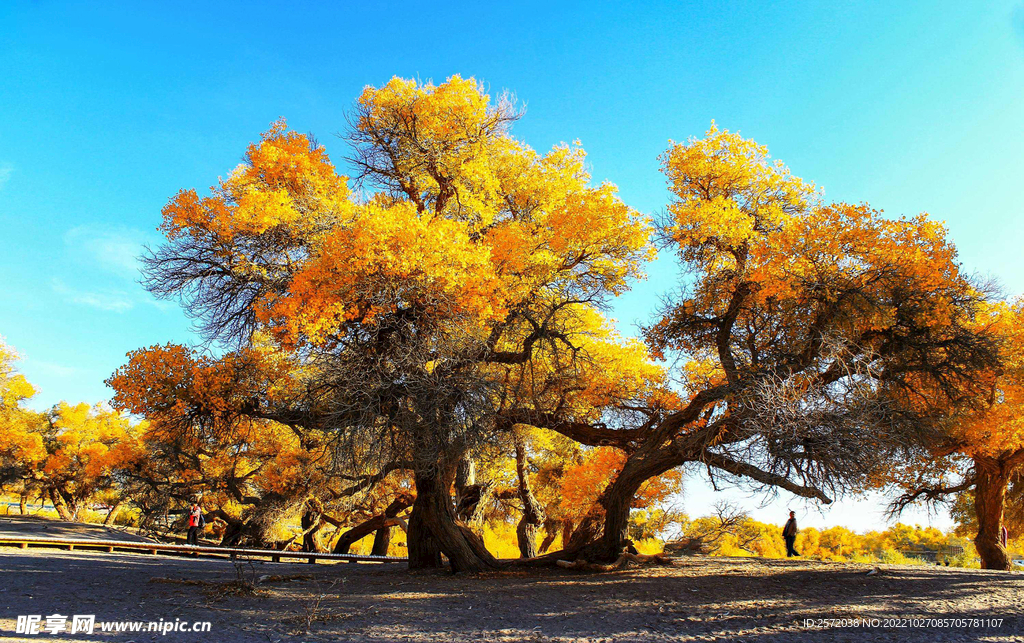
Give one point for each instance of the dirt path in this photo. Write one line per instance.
(33, 527)
(700, 599)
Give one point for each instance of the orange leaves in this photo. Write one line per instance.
(996, 428)
(173, 383)
(152, 379)
(854, 247)
(20, 439)
(558, 228)
(89, 443)
(583, 482)
(72, 450)
(206, 408)
(656, 490)
(431, 264)
(468, 223)
(755, 237)
(286, 183)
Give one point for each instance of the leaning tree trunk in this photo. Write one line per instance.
(433, 528)
(385, 520)
(602, 534)
(989, 493)
(112, 514)
(533, 514)
(234, 528)
(62, 509)
(381, 541)
(550, 525)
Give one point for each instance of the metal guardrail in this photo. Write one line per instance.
(154, 548)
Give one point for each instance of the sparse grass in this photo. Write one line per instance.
(246, 583)
(314, 611)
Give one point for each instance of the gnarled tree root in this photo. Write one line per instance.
(623, 561)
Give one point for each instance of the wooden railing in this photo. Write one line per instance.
(155, 548)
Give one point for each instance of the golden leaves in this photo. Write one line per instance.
(996, 428)
(749, 231)
(433, 263)
(71, 447)
(20, 437)
(14, 388)
(287, 183)
(469, 223)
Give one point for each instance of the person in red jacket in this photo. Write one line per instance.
(789, 534)
(196, 522)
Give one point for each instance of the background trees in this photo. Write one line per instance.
(67, 455)
(21, 444)
(85, 448)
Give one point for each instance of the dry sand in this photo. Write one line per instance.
(699, 599)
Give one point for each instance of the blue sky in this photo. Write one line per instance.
(106, 111)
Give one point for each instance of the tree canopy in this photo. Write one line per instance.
(422, 341)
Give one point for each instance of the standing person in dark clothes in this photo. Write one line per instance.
(789, 533)
(196, 522)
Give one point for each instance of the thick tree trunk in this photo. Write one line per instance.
(424, 550)
(533, 514)
(60, 506)
(567, 529)
(468, 493)
(234, 529)
(112, 514)
(433, 527)
(989, 493)
(526, 533)
(381, 541)
(465, 474)
(550, 533)
(72, 503)
(601, 536)
(312, 514)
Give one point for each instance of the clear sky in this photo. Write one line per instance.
(106, 111)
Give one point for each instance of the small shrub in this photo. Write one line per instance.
(649, 545)
(126, 518)
(893, 557)
(963, 559)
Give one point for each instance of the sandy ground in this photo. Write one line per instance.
(699, 599)
(31, 526)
